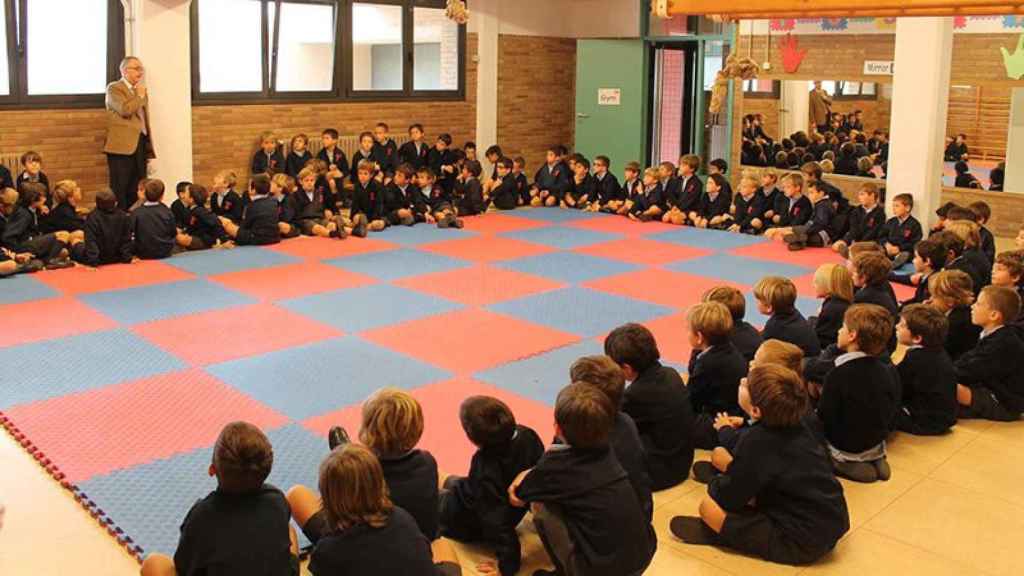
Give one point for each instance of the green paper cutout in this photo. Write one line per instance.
(1014, 62)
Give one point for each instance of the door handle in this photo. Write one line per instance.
(582, 115)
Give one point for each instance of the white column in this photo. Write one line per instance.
(484, 19)
(794, 112)
(1015, 143)
(920, 103)
(159, 34)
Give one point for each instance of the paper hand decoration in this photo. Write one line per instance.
(792, 55)
(1014, 62)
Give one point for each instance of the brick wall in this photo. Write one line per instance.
(536, 95)
(70, 141)
(225, 137)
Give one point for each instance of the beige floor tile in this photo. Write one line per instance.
(989, 465)
(923, 454)
(867, 552)
(1005, 432)
(864, 501)
(980, 531)
(533, 553)
(664, 497)
(671, 562)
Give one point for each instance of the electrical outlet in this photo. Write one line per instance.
(766, 66)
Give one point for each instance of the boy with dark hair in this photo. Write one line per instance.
(441, 162)
(776, 297)
(583, 505)
(313, 207)
(504, 192)
(551, 181)
(32, 173)
(108, 234)
(472, 201)
(671, 190)
(493, 154)
(901, 232)
(203, 230)
(259, 226)
(866, 220)
(821, 228)
(414, 152)
(19, 229)
(476, 508)
(178, 207)
(747, 207)
(927, 377)
(224, 201)
(336, 161)
(778, 498)
(990, 382)
(713, 208)
(583, 190)
(861, 396)
(871, 281)
(744, 337)
(657, 401)
(929, 258)
(437, 203)
(715, 369)
(982, 214)
(367, 201)
(399, 196)
(608, 194)
(211, 538)
(385, 151)
(690, 188)
(632, 188)
(153, 227)
(519, 177)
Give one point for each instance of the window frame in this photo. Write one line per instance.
(341, 90)
(17, 61)
(774, 94)
(859, 96)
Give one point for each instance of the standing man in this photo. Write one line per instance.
(821, 107)
(128, 145)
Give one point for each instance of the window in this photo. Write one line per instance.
(845, 90)
(59, 52)
(325, 50)
(754, 88)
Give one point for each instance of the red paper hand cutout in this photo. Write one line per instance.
(792, 55)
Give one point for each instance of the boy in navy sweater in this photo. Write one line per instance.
(551, 182)
(792, 208)
(259, 226)
(268, 160)
(476, 508)
(399, 196)
(441, 162)
(385, 151)
(336, 161)
(778, 498)
(990, 384)
(505, 194)
(871, 281)
(153, 227)
(519, 177)
(901, 232)
(19, 228)
(414, 152)
(689, 191)
(820, 230)
(866, 220)
(776, 297)
(861, 396)
(744, 337)
(583, 504)
(715, 369)
(178, 207)
(298, 155)
(747, 206)
(983, 213)
(609, 194)
(203, 229)
(224, 201)
(657, 401)
(713, 208)
(929, 258)
(583, 191)
(927, 377)
(472, 201)
(367, 201)
(108, 234)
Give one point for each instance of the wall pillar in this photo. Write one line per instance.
(1015, 143)
(920, 104)
(794, 112)
(485, 14)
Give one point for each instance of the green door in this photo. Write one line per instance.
(611, 95)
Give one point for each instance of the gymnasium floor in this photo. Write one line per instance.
(980, 168)
(119, 379)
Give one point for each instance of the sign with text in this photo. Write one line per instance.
(609, 96)
(879, 67)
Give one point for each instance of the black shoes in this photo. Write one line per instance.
(360, 226)
(704, 471)
(337, 437)
(59, 263)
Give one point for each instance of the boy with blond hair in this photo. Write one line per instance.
(715, 369)
(776, 297)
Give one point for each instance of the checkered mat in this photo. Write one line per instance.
(118, 380)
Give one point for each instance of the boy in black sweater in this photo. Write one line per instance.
(792, 208)
(747, 206)
(861, 396)
(385, 151)
(312, 204)
(519, 177)
(583, 505)
(64, 215)
(929, 258)
(609, 194)
(871, 281)
(688, 189)
(178, 207)
(268, 159)
(776, 297)
(108, 234)
(153, 224)
(472, 202)
(414, 152)
(983, 213)
(399, 196)
(927, 377)
(657, 401)
(476, 508)
(583, 190)
(242, 527)
(202, 229)
(298, 155)
(820, 230)
(778, 498)
(19, 228)
(336, 161)
(367, 201)
(866, 220)
(441, 162)
(224, 201)
(551, 181)
(990, 382)
(713, 208)
(901, 232)
(435, 203)
(744, 337)
(715, 369)
(259, 226)
(505, 194)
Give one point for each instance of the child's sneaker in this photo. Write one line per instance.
(360, 226)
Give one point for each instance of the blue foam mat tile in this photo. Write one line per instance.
(568, 267)
(24, 288)
(739, 269)
(421, 234)
(558, 214)
(324, 376)
(540, 377)
(581, 311)
(562, 237)
(210, 262)
(367, 307)
(160, 301)
(708, 239)
(52, 368)
(396, 264)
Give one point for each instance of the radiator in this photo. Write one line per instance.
(348, 144)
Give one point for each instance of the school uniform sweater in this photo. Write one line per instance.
(964, 265)
(555, 179)
(259, 225)
(921, 293)
(108, 238)
(505, 194)
(18, 229)
(903, 234)
(227, 204)
(745, 338)
(709, 207)
(412, 484)
(286, 209)
(309, 205)
(928, 383)
(747, 209)
(822, 222)
(438, 159)
(690, 189)
(787, 474)
(963, 334)
(385, 154)
(263, 163)
(294, 163)
(367, 199)
(336, 157)
(39, 178)
(609, 533)
(522, 186)
(204, 225)
(659, 404)
(792, 328)
(672, 189)
(409, 153)
(988, 244)
(181, 213)
(608, 189)
(830, 320)
(715, 375)
(397, 198)
(995, 364)
(858, 402)
(629, 451)
(880, 293)
(472, 201)
(62, 217)
(154, 230)
(398, 547)
(584, 187)
(982, 267)
(865, 225)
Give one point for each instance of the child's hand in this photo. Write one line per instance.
(487, 567)
(328, 214)
(915, 278)
(513, 499)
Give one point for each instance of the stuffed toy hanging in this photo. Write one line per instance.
(457, 11)
(735, 67)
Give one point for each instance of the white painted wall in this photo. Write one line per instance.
(794, 113)
(486, 20)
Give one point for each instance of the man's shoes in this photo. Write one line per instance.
(337, 436)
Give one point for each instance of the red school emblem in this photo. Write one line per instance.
(796, 210)
(906, 233)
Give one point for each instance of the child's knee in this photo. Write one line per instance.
(157, 564)
(711, 513)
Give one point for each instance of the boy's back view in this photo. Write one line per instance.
(108, 234)
(153, 224)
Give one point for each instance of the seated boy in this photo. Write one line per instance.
(792, 207)
(747, 206)
(108, 234)
(399, 196)
(609, 194)
(983, 213)
(367, 201)
(657, 401)
(990, 382)
(927, 377)
(866, 220)
(268, 159)
(871, 281)
(632, 188)
(202, 229)
(313, 215)
(435, 203)
(776, 297)
(242, 527)
(259, 227)
(819, 230)
(604, 374)
(153, 224)
(715, 369)
(713, 208)
(778, 498)
(67, 197)
(472, 201)
(689, 189)
(475, 508)
(224, 201)
(651, 204)
(178, 207)
(19, 231)
(583, 190)
(519, 177)
(860, 396)
(744, 337)
(929, 258)
(901, 232)
(505, 194)
(551, 181)
(584, 508)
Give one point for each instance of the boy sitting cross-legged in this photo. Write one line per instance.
(927, 377)
(991, 384)
(716, 368)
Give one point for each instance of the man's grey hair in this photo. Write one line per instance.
(126, 61)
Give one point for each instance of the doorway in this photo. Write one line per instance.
(673, 71)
